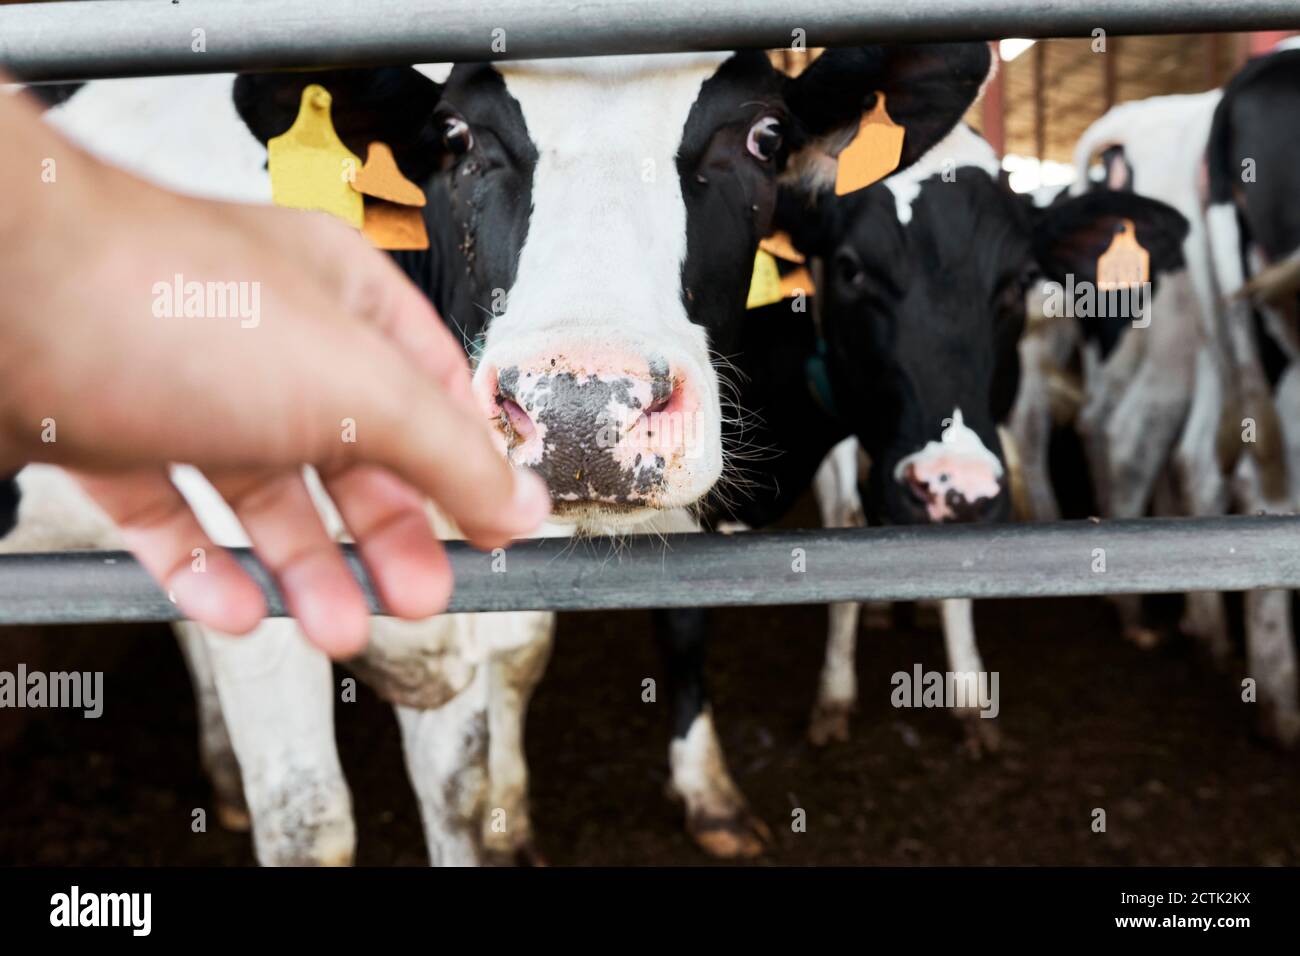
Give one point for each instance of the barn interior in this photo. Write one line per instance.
(1157, 735)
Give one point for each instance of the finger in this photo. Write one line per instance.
(446, 453)
(206, 583)
(387, 519)
(280, 517)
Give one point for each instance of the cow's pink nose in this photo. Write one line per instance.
(954, 487)
(607, 431)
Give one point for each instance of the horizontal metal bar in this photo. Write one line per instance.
(88, 40)
(785, 567)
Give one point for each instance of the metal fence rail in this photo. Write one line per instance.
(1027, 560)
(88, 40)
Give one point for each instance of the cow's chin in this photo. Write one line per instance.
(596, 518)
(601, 518)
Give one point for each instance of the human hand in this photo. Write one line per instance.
(340, 336)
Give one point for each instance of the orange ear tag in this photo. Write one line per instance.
(309, 165)
(390, 226)
(765, 285)
(780, 245)
(392, 217)
(1125, 264)
(381, 178)
(874, 153)
(800, 280)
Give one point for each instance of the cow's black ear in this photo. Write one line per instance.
(928, 88)
(1070, 236)
(809, 218)
(10, 496)
(50, 95)
(393, 105)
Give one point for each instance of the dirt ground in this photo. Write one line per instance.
(1159, 739)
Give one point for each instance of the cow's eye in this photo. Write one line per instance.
(765, 139)
(849, 271)
(456, 136)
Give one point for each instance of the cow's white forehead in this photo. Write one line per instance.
(608, 214)
(613, 67)
(438, 72)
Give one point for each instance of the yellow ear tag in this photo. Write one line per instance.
(874, 153)
(780, 245)
(309, 165)
(1125, 264)
(765, 286)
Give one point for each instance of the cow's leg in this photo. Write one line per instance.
(1139, 438)
(447, 760)
(837, 687)
(964, 658)
(1105, 385)
(1270, 644)
(717, 815)
(1200, 478)
(513, 673)
(216, 753)
(1271, 661)
(1031, 426)
(277, 695)
(836, 488)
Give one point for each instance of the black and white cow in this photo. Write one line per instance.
(927, 277)
(593, 225)
(1196, 413)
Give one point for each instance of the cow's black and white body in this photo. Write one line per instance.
(593, 225)
(905, 383)
(927, 318)
(1203, 402)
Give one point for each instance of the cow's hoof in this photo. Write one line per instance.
(1281, 728)
(1216, 643)
(234, 817)
(829, 722)
(1147, 638)
(982, 736)
(524, 855)
(740, 837)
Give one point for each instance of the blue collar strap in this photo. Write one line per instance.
(819, 380)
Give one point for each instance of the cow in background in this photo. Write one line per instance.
(915, 361)
(620, 286)
(923, 311)
(1197, 413)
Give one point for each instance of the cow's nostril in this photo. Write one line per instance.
(917, 487)
(517, 420)
(658, 404)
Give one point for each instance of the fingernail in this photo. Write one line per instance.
(532, 500)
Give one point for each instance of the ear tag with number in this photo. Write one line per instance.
(765, 285)
(392, 219)
(309, 165)
(874, 153)
(1125, 264)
